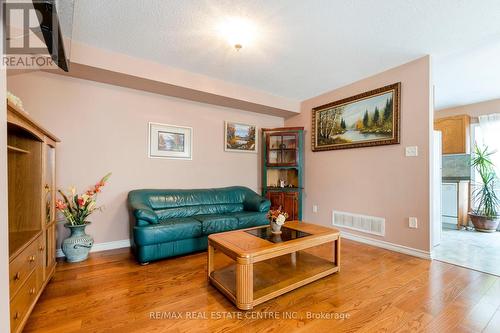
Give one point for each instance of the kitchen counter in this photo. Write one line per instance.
(455, 179)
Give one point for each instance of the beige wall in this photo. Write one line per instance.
(4, 230)
(377, 181)
(474, 110)
(104, 128)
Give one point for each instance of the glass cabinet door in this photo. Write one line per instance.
(49, 183)
(274, 157)
(274, 141)
(289, 157)
(282, 149)
(289, 141)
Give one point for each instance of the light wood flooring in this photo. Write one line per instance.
(375, 291)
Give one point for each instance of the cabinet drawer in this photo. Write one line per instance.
(21, 303)
(21, 267)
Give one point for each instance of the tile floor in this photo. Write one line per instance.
(471, 249)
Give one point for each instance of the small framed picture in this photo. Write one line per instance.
(240, 137)
(170, 141)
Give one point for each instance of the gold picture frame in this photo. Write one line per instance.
(364, 120)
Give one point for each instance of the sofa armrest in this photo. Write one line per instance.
(146, 214)
(143, 212)
(256, 203)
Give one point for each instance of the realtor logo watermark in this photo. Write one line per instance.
(248, 315)
(25, 31)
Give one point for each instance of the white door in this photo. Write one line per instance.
(437, 225)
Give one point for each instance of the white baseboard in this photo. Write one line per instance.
(386, 245)
(103, 246)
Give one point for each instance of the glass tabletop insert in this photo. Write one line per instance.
(286, 234)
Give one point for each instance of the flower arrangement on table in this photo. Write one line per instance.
(77, 207)
(277, 218)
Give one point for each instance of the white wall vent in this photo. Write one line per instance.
(369, 224)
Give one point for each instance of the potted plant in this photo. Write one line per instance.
(76, 208)
(277, 218)
(485, 216)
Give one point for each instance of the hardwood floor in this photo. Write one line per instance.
(376, 290)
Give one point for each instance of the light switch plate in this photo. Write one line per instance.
(413, 223)
(411, 151)
(315, 208)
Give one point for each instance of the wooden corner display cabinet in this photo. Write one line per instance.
(282, 169)
(32, 227)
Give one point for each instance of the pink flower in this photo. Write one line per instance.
(80, 201)
(60, 205)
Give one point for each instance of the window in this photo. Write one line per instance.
(487, 133)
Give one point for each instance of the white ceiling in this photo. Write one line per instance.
(304, 48)
(468, 76)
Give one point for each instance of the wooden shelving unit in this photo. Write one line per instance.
(283, 162)
(17, 150)
(31, 196)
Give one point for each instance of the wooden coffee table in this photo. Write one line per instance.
(252, 266)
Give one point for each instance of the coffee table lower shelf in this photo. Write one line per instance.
(248, 285)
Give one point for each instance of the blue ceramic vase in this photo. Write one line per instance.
(77, 246)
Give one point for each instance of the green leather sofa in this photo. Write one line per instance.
(168, 223)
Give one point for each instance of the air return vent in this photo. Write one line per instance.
(369, 224)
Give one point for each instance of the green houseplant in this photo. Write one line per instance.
(76, 208)
(485, 215)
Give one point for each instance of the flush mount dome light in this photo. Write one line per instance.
(237, 31)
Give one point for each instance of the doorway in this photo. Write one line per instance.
(455, 239)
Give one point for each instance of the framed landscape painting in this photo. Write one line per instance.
(368, 119)
(170, 141)
(240, 137)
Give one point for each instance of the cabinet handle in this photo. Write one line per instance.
(32, 291)
(16, 316)
(41, 248)
(17, 276)
(31, 258)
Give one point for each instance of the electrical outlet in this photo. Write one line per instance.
(411, 151)
(315, 208)
(413, 223)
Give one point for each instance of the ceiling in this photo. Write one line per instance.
(468, 76)
(304, 48)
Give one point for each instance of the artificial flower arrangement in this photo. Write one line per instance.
(77, 207)
(277, 218)
(15, 100)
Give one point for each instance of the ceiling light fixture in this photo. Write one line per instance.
(237, 31)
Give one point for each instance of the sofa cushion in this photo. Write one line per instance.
(167, 230)
(212, 223)
(162, 199)
(250, 219)
(188, 211)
